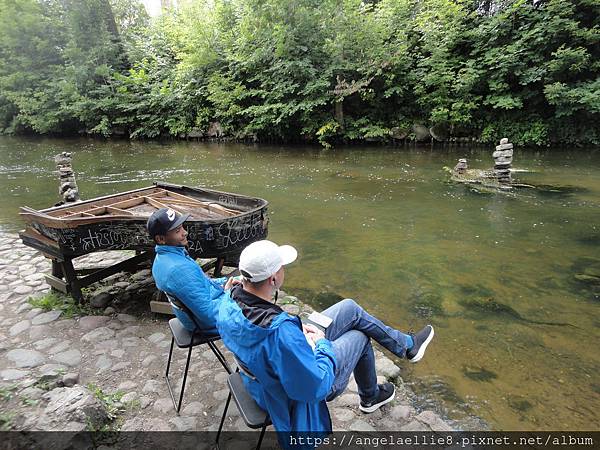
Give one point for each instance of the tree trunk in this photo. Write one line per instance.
(339, 113)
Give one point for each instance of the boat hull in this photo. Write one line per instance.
(223, 237)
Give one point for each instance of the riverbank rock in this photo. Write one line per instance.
(440, 132)
(101, 299)
(398, 133)
(421, 132)
(215, 130)
(26, 358)
(73, 405)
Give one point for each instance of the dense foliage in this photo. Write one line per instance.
(304, 70)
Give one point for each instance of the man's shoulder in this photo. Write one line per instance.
(172, 270)
(287, 326)
(173, 261)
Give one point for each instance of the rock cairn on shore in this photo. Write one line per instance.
(68, 189)
(502, 161)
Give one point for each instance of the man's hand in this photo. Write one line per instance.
(231, 282)
(313, 333)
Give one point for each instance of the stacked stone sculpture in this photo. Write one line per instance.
(68, 189)
(461, 167)
(502, 161)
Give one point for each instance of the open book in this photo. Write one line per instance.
(321, 321)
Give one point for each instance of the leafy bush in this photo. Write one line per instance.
(302, 70)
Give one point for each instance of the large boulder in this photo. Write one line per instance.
(75, 408)
(215, 130)
(421, 132)
(440, 132)
(101, 299)
(75, 404)
(398, 133)
(26, 358)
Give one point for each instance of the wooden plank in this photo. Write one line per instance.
(57, 211)
(127, 265)
(161, 307)
(100, 210)
(178, 201)
(112, 209)
(46, 246)
(208, 205)
(222, 209)
(209, 265)
(138, 200)
(197, 210)
(36, 235)
(158, 193)
(159, 205)
(57, 283)
(87, 270)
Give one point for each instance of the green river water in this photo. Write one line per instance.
(493, 273)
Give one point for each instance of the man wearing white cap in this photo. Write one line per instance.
(297, 368)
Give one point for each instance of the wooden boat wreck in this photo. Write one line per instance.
(220, 226)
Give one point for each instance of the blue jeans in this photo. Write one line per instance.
(349, 333)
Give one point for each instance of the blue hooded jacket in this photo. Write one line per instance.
(175, 272)
(292, 380)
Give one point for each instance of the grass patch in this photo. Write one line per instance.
(6, 421)
(26, 401)
(133, 405)
(67, 304)
(112, 402)
(45, 385)
(6, 392)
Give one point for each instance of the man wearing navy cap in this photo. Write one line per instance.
(176, 273)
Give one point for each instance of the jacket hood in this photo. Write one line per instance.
(243, 334)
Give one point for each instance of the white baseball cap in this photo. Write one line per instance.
(261, 259)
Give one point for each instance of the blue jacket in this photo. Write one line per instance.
(292, 381)
(178, 274)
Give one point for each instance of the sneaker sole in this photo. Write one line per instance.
(421, 351)
(376, 406)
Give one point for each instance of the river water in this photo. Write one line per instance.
(506, 280)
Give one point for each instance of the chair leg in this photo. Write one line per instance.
(167, 376)
(170, 355)
(187, 365)
(220, 356)
(262, 434)
(223, 418)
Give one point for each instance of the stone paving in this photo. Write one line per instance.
(51, 365)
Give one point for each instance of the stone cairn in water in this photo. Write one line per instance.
(461, 167)
(502, 161)
(68, 189)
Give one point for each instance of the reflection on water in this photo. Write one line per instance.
(509, 281)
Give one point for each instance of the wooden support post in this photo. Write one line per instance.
(71, 279)
(219, 267)
(56, 269)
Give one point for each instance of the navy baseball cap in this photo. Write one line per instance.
(164, 220)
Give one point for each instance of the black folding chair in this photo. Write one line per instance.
(253, 415)
(188, 339)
